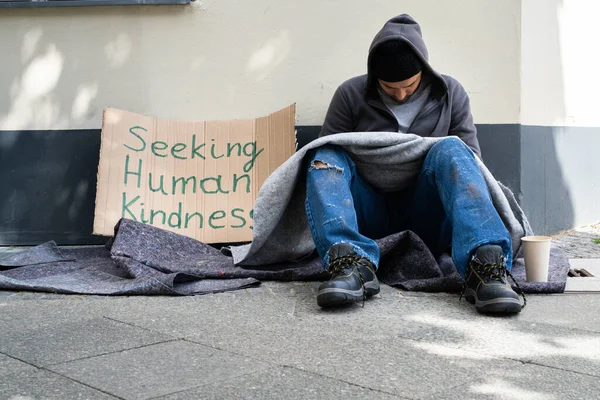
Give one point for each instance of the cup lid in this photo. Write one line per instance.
(536, 238)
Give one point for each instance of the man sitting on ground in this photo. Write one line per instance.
(448, 207)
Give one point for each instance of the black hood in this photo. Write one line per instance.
(407, 30)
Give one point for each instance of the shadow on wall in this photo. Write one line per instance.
(48, 176)
(167, 61)
(53, 78)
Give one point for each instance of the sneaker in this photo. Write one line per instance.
(352, 278)
(486, 283)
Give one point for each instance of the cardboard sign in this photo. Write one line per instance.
(199, 179)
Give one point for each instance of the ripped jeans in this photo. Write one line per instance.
(449, 206)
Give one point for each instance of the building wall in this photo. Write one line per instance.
(560, 130)
(221, 59)
(528, 66)
(559, 63)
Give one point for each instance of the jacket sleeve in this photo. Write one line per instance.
(461, 124)
(339, 117)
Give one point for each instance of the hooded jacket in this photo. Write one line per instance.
(357, 107)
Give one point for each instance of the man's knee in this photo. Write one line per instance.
(319, 164)
(449, 146)
(329, 157)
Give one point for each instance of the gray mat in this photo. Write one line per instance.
(43, 254)
(145, 260)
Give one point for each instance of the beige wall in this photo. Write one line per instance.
(226, 59)
(559, 88)
(560, 62)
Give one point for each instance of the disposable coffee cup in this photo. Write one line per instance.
(537, 257)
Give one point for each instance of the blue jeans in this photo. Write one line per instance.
(449, 206)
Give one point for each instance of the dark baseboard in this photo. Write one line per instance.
(48, 181)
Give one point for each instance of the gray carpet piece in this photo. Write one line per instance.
(557, 274)
(42, 254)
(407, 263)
(145, 260)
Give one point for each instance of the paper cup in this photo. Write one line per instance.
(537, 257)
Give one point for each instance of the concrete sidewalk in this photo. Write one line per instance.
(273, 342)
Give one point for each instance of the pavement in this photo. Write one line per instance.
(273, 342)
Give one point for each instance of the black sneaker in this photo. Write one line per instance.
(486, 283)
(352, 278)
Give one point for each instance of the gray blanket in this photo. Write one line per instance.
(387, 160)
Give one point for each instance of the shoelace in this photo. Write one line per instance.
(494, 272)
(350, 262)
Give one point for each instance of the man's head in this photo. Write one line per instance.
(398, 69)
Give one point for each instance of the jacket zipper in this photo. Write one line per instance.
(387, 110)
(430, 107)
(427, 109)
(424, 112)
(384, 108)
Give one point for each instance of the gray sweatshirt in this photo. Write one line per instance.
(357, 106)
